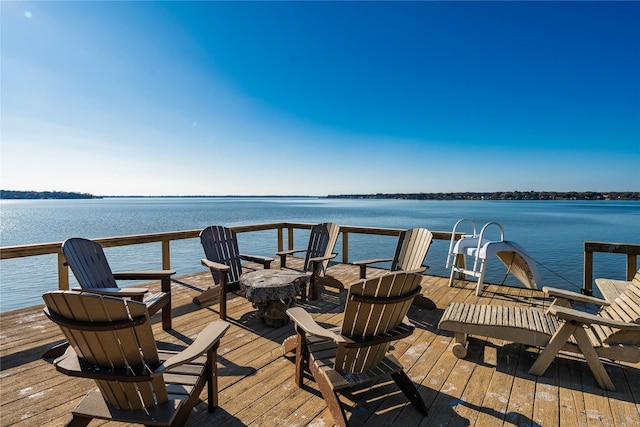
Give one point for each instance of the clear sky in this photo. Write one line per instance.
(317, 98)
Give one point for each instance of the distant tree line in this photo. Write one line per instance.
(499, 195)
(9, 194)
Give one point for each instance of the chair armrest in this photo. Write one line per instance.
(214, 265)
(572, 296)
(116, 292)
(372, 261)
(304, 320)
(144, 275)
(322, 258)
(209, 337)
(290, 252)
(572, 315)
(419, 270)
(265, 261)
(363, 265)
(283, 256)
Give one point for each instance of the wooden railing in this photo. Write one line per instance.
(9, 252)
(631, 250)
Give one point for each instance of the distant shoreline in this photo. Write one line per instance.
(501, 195)
(40, 195)
(498, 195)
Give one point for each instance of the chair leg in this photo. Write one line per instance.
(212, 377)
(78, 421)
(301, 355)
(165, 284)
(166, 316)
(552, 348)
(304, 289)
(409, 390)
(313, 286)
(223, 296)
(331, 397)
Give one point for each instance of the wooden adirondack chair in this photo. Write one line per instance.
(412, 248)
(112, 343)
(322, 241)
(613, 333)
(93, 273)
(357, 353)
(224, 260)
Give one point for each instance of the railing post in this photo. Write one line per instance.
(632, 266)
(166, 255)
(345, 247)
(587, 284)
(290, 238)
(280, 240)
(63, 273)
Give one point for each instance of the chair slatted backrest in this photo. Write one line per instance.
(220, 245)
(114, 334)
(88, 263)
(626, 308)
(321, 243)
(412, 248)
(374, 308)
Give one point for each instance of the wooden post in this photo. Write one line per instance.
(63, 273)
(587, 284)
(166, 255)
(280, 240)
(632, 266)
(345, 247)
(290, 238)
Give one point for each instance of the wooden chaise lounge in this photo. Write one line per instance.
(613, 333)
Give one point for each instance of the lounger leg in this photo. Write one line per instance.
(459, 349)
(597, 368)
(409, 390)
(558, 340)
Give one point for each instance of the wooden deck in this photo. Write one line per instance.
(491, 387)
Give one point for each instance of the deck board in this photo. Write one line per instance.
(490, 387)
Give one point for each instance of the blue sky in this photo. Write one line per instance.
(317, 98)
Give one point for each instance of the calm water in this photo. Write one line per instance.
(553, 232)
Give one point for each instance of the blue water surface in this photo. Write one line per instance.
(552, 232)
